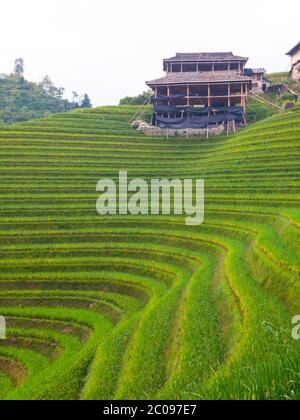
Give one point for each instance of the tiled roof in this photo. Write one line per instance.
(201, 77)
(294, 49)
(215, 56)
(248, 72)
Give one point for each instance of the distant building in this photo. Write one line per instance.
(259, 83)
(294, 53)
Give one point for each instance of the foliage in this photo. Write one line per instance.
(285, 79)
(19, 66)
(261, 109)
(136, 100)
(21, 100)
(85, 102)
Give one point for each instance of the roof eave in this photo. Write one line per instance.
(150, 84)
(291, 52)
(176, 60)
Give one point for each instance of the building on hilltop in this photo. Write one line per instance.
(294, 53)
(201, 90)
(257, 76)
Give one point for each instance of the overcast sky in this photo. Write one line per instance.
(109, 48)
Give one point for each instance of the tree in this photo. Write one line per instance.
(19, 66)
(59, 92)
(137, 100)
(48, 85)
(75, 97)
(85, 101)
(21, 100)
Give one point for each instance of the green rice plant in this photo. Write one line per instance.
(5, 384)
(146, 307)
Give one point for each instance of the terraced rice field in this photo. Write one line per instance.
(146, 307)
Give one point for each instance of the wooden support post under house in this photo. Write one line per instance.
(246, 95)
(207, 128)
(168, 94)
(209, 95)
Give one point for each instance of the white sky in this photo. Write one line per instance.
(109, 48)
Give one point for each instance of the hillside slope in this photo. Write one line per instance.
(146, 307)
(21, 100)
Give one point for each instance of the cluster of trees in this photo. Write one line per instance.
(137, 100)
(21, 100)
(81, 101)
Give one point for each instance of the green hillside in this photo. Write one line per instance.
(145, 307)
(21, 100)
(259, 110)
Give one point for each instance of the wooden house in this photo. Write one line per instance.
(294, 53)
(257, 76)
(201, 90)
